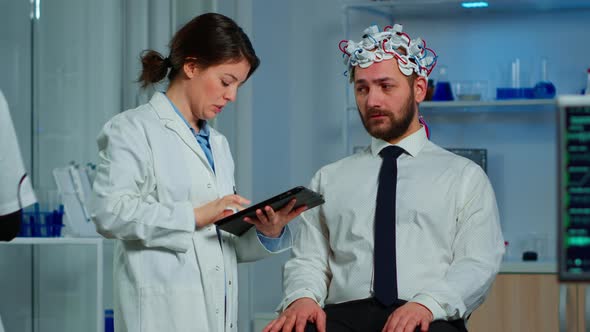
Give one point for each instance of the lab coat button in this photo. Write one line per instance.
(209, 185)
(217, 268)
(230, 282)
(216, 311)
(231, 325)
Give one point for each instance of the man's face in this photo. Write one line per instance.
(386, 101)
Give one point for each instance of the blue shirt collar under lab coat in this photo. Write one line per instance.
(202, 136)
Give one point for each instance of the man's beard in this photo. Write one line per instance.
(398, 126)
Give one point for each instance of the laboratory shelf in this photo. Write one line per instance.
(54, 240)
(489, 107)
(456, 104)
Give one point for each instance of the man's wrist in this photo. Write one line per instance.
(432, 305)
(425, 307)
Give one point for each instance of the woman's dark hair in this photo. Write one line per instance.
(208, 40)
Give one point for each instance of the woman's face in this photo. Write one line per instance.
(210, 89)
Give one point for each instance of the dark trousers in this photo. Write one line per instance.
(10, 225)
(369, 315)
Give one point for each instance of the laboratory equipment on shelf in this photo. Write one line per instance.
(470, 90)
(38, 223)
(74, 185)
(442, 89)
(544, 89)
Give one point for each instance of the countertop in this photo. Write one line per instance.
(540, 267)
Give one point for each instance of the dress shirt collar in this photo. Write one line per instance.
(412, 144)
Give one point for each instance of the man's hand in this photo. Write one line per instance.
(408, 317)
(297, 315)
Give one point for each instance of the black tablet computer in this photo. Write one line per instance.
(235, 223)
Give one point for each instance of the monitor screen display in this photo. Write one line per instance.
(574, 188)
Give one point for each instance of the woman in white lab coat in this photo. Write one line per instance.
(164, 177)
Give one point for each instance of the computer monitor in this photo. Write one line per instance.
(574, 187)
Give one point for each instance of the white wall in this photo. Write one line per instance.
(297, 112)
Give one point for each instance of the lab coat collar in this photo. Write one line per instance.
(412, 144)
(172, 121)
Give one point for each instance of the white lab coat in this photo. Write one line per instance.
(11, 169)
(167, 275)
(11, 166)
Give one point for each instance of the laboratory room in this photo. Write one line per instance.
(132, 132)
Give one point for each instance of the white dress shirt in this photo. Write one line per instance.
(448, 239)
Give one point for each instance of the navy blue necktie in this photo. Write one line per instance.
(385, 286)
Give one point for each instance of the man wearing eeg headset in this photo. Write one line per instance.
(409, 236)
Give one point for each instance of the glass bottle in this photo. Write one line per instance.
(544, 89)
(442, 90)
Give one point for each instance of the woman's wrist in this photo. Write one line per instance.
(272, 234)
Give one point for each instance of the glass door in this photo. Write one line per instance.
(77, 61)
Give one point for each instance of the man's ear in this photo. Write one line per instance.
(420, 88)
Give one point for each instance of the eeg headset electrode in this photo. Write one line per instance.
(376, 46)
(412, 55)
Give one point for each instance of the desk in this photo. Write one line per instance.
(527, 296)
(61, 284)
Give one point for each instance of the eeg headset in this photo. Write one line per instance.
(376, 46)
(412, 55)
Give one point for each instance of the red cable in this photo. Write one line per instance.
(340, 46)
(421, 120)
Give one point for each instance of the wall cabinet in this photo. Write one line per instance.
(532, 302)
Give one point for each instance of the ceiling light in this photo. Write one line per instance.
(474, 4)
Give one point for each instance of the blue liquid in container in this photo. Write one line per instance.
(544, 90)
(443, 91)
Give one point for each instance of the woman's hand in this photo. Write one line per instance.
(271, 223)
(218, 209)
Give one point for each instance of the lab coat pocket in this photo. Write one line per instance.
(172, 309)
